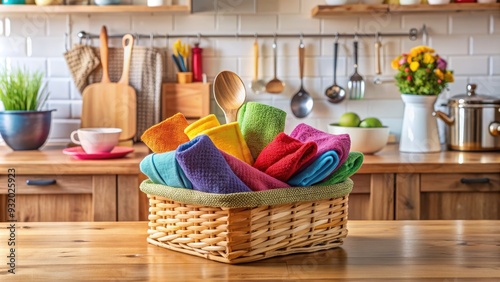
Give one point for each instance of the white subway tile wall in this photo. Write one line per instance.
(468, 40)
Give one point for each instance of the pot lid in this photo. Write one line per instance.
(472, 98)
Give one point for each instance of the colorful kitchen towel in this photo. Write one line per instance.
(284, 156)
(252, 177)
(317, 171)
(260, 124)
(206, 168)
(163, 169)
(166, 135)
(228, 138)
(348, 168)
(201, 125)
(339, 143)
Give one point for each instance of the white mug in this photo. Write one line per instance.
(96, 140)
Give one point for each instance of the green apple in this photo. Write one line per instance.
(349, 119)
(370, 122)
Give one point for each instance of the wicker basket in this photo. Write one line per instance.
(245, 227)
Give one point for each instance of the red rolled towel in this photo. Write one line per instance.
(284, 156)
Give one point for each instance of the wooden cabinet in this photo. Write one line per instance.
(65, 189)
(448, 196)
(372, 196)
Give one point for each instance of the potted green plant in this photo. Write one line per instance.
(24, 124)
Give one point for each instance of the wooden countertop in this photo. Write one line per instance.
(383, 250)
(51, 160)
(390, 160)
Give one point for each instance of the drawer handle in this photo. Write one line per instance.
(474, 180)
(41, 182)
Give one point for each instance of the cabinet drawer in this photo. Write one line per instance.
(460, 182)
(64, 184)
(361, 183)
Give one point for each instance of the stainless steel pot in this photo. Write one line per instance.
(474, 122)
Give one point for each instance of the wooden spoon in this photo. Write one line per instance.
(230, 94)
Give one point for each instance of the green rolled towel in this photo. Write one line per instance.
(259, 124)
(348, 168)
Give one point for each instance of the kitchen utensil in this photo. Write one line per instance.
(275, 86)
(108, 104)
(356, 84)
(257, 85)
(378, 44)
(335, 93)
(474, 121)
(230, 94)
(302, 103)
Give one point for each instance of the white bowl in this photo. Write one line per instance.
(409, 2)
(486, 1)
(364, 140)
(335, 2)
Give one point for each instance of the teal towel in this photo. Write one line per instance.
(348, 168)
(260, 124)
(163, 169)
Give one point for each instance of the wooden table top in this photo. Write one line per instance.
(51, 160)
(373, 250)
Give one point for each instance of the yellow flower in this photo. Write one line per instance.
(409, 59)
(428, 58)
(439, 74)
(414, 66)
(395, 62)
(421, 49)
(449, 76)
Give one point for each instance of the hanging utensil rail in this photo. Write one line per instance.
(413, 34)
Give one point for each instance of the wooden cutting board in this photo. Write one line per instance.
(108, 104)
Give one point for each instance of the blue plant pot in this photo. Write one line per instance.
(25, 130)
(13, 2)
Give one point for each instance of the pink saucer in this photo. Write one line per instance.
(79, 153)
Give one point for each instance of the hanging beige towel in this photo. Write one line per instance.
(146, 70)
(81, 60)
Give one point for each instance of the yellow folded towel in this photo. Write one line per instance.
(228, 138)
(201, 125)
(167, 135)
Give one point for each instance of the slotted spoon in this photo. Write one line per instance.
(356, 84)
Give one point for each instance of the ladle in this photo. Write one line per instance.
(257, 85)
(302, 103)
(275, 86)
(335, 93)
(230, 94)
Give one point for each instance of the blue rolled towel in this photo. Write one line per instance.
(318, 170)
(163, 169)
(206, 168)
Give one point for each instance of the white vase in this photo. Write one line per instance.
(420, 132)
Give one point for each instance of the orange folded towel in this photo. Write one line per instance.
(167, 135)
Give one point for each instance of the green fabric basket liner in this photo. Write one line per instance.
(249, 199)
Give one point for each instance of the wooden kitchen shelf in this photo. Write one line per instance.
(328, 10)
(91, 9)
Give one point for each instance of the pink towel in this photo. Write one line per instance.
(339, 143)
(252, 177)
(284, 156)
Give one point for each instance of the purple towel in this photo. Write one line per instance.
(252, 177)
(206, 168)
(339, 143)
